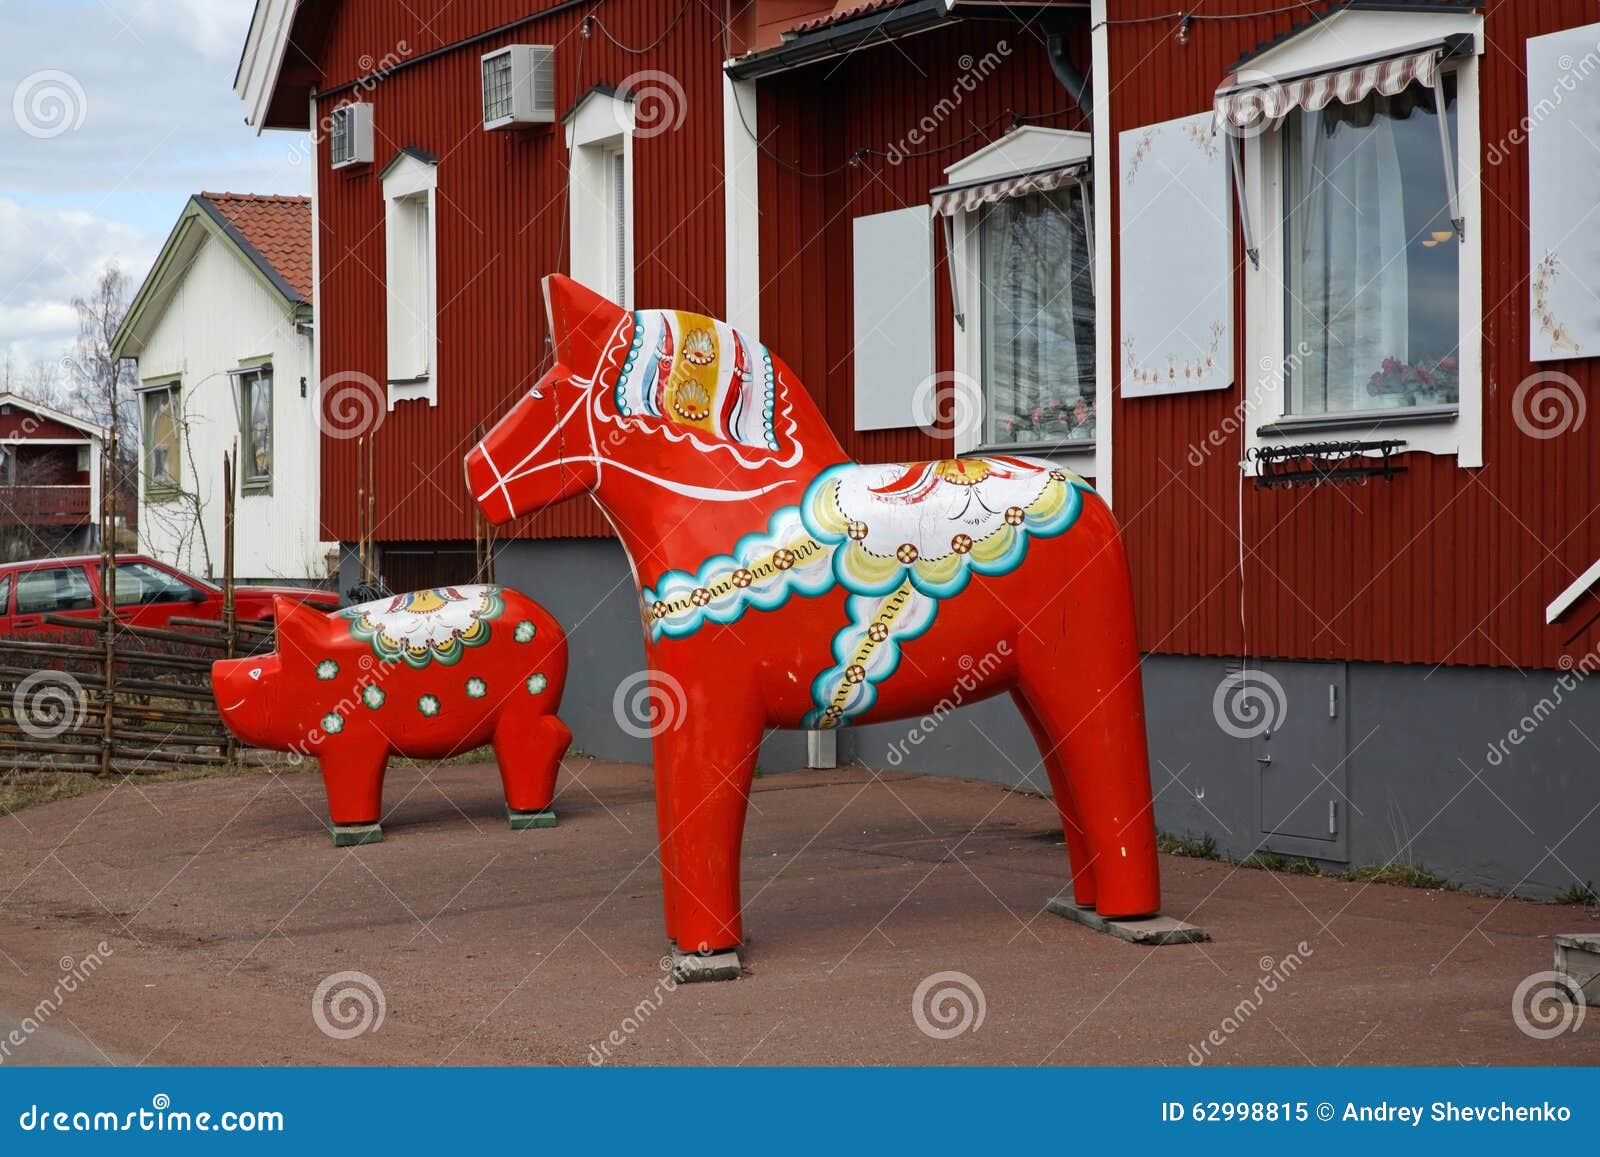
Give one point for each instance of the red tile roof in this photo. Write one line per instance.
(278, 229)
(844, 11)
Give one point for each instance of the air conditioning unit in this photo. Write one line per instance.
(350, 135)
(519, 86)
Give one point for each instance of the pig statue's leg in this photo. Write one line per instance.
(352, 775)
(529, 753)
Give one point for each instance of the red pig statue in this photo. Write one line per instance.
(425, 674)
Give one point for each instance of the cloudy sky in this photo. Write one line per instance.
(113, 113)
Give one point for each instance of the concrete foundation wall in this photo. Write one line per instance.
(1488, 777)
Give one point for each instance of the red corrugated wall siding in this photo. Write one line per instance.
(501, 199)
(814, 119)
(1444, 565)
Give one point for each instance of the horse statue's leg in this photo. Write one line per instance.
(704, 763)
(1078, 672)
(1071, 819)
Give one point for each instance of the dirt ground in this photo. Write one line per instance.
(223, 907)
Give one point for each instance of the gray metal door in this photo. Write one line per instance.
(1300, 761)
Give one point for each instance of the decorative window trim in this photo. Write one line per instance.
(1352, 36)
(411, 181)
(599, 128)
(1024, 152)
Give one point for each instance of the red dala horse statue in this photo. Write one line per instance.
(783, 585)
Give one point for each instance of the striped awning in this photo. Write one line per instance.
(1248, 99)
(951, 199)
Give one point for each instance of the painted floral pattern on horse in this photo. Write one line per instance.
(431, 626)
(701, 373)
(871, 529)
(936, 523)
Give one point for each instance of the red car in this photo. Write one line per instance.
(149, 593)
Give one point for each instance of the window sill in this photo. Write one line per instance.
(1361, 420)
(161, 493)
(256, 490)
(1076, 446)
(412, 390)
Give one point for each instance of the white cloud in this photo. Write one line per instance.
(50, 256)
(112, 113)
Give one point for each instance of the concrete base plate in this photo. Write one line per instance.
(1152, 930)
(523, 821)
(1578, 959)
(691, 967)
(353, 835)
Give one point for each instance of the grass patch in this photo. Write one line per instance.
(1194, 847)
(1580, 895)
(1402, 875)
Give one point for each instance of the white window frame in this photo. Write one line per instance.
(1350, 36)
(1027, 149)
(599, 131)
(410, 187)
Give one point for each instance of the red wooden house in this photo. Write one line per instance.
(49, 480)
(1327, 351)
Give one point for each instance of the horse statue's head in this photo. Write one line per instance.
(654, 399)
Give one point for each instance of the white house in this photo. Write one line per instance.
(222, 331)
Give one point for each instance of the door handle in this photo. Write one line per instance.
(1263, 759)
(25, 621)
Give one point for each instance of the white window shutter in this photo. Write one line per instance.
(893, 283)
(1563, 174)
(1176, 232)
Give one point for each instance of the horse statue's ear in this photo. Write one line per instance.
(580, 322)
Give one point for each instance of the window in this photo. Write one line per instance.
(600, 175)
(63, 588)
(1017, 223)
(255, 426)
(5, 593)
(1037, 319)
(161, 439)
(409, 185)
(140, 584)
(1363, 224)
(1371, 262)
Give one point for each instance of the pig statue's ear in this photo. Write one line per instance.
(295, 619)
(581, 321)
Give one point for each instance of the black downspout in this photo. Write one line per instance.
(1076, 84)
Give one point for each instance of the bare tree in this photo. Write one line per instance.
(101, 385)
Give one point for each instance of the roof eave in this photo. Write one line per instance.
(809, 47)
(261, 62)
